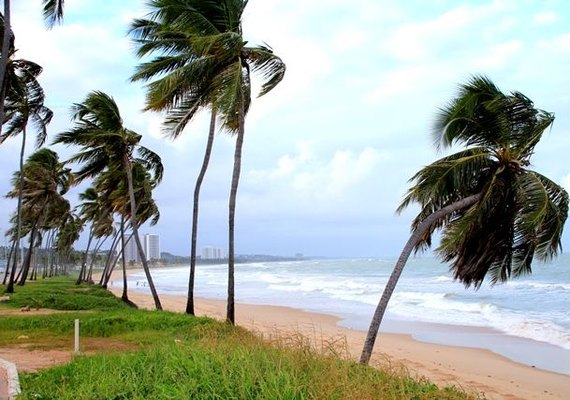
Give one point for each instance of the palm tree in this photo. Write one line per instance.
(203, 61)
(24, 104)
(106, 145)
(494, 213)
(42, 189)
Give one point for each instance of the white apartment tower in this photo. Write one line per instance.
(213, 253)
(152, 246)
(131, 251)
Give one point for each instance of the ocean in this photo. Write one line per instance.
(526, 319)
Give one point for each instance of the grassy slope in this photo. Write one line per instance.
(174, 356)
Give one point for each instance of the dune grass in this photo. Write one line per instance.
(174, 356)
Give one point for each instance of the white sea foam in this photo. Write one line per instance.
(533, 307)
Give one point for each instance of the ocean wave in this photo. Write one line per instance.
(541, 285)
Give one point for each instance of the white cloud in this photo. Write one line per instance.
(498, 55)
(546, 17)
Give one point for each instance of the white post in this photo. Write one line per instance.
(76, 336)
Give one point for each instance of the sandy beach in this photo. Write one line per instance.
(475, 370)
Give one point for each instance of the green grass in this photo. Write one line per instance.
(174, 356)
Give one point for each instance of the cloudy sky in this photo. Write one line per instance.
(328, 153)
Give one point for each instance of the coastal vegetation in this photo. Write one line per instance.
(127, 353)
(495, 214)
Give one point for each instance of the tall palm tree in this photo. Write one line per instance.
(106, 145)
(24, 105)
(203, 61)
(494, 213)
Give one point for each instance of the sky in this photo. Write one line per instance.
(327, 154)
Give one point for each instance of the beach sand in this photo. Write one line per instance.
(474, 370)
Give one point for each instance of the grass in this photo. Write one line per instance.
(174, 356)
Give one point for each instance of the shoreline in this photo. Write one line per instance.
(474, 369)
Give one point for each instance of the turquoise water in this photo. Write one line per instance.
(527, 319)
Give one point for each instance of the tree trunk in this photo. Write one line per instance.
(110, 257)
(10, 287)
(135, 227)
(93, 257)
(4, 60)
(28, 259)
(230, 314)
(125, 297)
(10, 255)
(193, 250)
(398, 268)
(83, 271)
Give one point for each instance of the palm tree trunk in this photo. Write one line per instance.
(8, 263)
(124, 297)
(135, 227)
(4, 59)
(83, 272)
(10, 287)
(93, 257)
(399, 267)
(230, 314)
(193, 250)
(109, 259)
(28, 260)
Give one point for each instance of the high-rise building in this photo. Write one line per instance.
(152, 246)
(131, 251)
(213, 253)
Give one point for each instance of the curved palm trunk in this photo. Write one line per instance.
(93, 256)
(230, 313)
(110, 258)
(4, 60)
(124, 297)
(134, 225)
(83, 272)
(10, 287)
(28, 259)
(399, 267)
(208, 152)
(8, 263)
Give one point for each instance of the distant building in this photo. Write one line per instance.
(131, 251)
(213, 253)
(152, 246)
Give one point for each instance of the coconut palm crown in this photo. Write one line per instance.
(201, 60)
(520, 214)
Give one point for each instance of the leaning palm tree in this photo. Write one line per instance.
(107, 145)
(204, 61)
(495, 214)
(24, 105)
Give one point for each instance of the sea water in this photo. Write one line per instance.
(526, 319)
